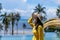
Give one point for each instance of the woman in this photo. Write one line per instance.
(37, 27)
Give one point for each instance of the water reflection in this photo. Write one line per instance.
(58, 34)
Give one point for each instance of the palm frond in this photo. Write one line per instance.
(44, 12)
(58, 12)
(0, 6)
(39, 6)
(39, 9)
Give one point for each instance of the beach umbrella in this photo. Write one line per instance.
(52, 23)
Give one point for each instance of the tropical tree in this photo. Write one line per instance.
(1, 28)
(43, 18)
(12, 20)
(39, 9)
(14, 17)
(17, 16)
(0, 7)
(58, 12)
(5, 21)
(24, 26)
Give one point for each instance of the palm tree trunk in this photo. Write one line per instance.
(12, 26)
(0, 35)
(23, 31)
(4, 32)
(12, 30)
(17, 29)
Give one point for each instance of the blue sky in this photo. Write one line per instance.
(25, 7)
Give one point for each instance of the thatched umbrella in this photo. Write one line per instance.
(52, 23)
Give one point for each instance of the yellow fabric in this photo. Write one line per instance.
(38, 34)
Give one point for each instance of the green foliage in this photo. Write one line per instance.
(10, 19)
(40, 10)
(58, 12)
(14, 17)
(0, 6)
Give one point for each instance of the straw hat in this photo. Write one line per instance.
(38, 15)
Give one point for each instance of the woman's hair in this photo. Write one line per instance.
(38, 22)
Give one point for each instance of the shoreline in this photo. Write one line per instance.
(20, 32)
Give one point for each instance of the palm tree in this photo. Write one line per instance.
(0, 7)
(12, 20)
(17, 16)
(43, 18)
(24, 26)
(5, 21)
(58, 12)
(40, 10)
(1, 28)
(14, 17)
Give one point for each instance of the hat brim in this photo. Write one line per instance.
(38, 15)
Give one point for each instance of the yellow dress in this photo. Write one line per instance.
(38, 34)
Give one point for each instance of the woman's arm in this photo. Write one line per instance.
(30, 22)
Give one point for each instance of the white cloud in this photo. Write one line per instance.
(19, 10)
(51, 10)
(5, 10)
(22, 12)
(14, 10)
(57, 1)
(51, 13)
(24, 0)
